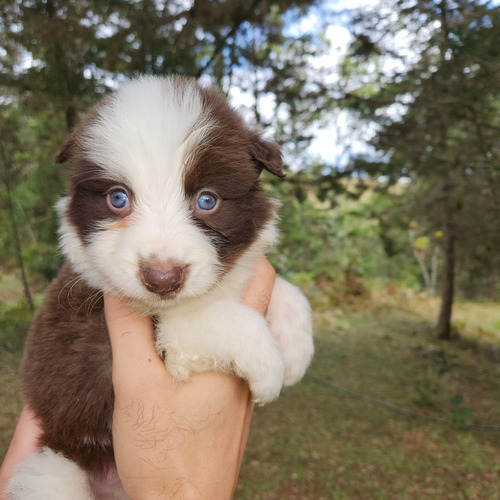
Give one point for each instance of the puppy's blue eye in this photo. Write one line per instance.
(206, 201)
(118, 199)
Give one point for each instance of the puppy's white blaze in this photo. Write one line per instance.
(188, 147)
(136, 146)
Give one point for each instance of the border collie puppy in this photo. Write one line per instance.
(164, 210)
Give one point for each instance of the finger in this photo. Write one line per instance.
(127, 328)
(260, 287)
(132, 343)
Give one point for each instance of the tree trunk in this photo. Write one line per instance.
(434, 269)
(443, 326)
(17, 245)
(15, 230)
(70, 118)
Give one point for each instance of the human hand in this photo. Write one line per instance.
(177, 440)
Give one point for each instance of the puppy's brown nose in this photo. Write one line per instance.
(162, 281)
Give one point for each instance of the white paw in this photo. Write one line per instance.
(290, 322)
(266, 390)
(181, 365)
(297, 354)
(266, 377)
(46, 474)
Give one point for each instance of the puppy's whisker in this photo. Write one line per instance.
(97, 297)
(69, 287)
(91, 301)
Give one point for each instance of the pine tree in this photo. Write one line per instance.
(437, 119)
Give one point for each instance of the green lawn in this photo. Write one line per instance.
(321, 441)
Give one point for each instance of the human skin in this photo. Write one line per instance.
(171, 440)
(24, 441)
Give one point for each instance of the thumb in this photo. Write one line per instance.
(132, 341)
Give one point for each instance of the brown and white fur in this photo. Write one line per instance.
(165, 210)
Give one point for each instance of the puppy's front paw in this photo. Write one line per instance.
(290, 322)
(266, 390)
(266, 380)
(181, 365)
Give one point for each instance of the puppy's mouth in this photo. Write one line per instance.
(164, 280)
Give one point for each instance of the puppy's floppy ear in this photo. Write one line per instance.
(266, 154)
(73, 143)
(67, 150)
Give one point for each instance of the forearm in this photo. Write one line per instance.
(190, 449)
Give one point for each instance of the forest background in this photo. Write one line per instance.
(388, 113)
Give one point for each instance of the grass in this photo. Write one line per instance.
(318, 442)
(477, 321)
(321, 442)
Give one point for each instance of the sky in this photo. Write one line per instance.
(333, 138)
(333, 142)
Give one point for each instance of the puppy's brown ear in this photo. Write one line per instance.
(66, 152)
(267, 154)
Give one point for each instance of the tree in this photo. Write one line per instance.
(46, 48)
(56, 56)
(437, 117)
(10, 172)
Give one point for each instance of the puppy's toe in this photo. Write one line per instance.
(266, 391)
(266, 385)
(180, 368)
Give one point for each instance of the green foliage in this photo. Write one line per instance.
(14, 323)
(337, 247)
(43, 260)
(31, 183)
(436, 126)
